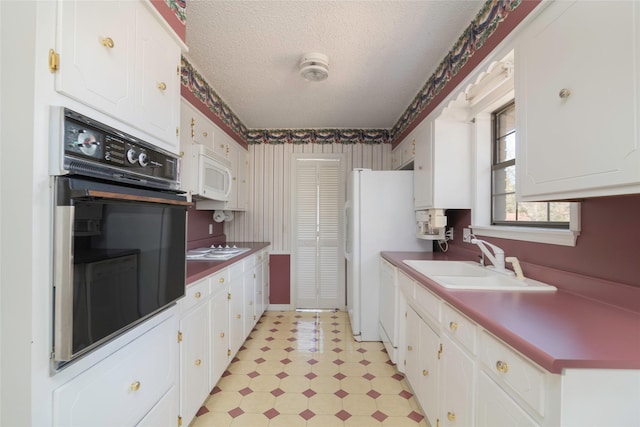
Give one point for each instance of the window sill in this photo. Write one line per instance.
(528, 234)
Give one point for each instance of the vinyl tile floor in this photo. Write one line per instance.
(305, 369)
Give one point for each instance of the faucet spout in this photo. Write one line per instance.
(496, 258)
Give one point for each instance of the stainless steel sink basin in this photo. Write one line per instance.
(469, 275)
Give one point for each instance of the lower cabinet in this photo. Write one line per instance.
(457, 389)
(134, 385)
(496, 408)
(217, 314)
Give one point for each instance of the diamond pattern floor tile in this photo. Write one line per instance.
(303, 369)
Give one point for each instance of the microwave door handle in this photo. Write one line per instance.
(62, 282)
(229, 178)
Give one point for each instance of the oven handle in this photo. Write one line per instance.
(137, 198)
(62, 282)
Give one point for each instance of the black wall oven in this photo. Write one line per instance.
(119, 233)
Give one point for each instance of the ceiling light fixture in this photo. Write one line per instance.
(314, 66)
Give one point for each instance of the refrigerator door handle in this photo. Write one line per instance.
(347, 228)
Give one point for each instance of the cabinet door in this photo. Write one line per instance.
(194, 360)
(232, 203)
(249, 314)
(412, 349)
(242, 185)
(429, 371)
(157, 82)
(457, 387)
(423, 166)
(236, 319)
(577, 101)
(164, 411)
(496, 408)
(219, 335)
(96, 47)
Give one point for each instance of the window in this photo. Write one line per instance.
(505, 210)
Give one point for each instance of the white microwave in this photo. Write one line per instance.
(213, 176)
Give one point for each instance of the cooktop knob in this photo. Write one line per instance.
(132, 156)
(143, 159)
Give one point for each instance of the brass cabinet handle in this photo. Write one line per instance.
(197, 295)
(250, 302)
(502, 366)
(453, 326)
(451, 416)
(238, 316)
(108, 42)
(205, 134)
(221, 280)
(135, 386)
(221, 334)
(425, 372)
(564, 93)
(198, 362)
(410, 348)
(162, 86)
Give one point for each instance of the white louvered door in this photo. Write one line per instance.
(318, 261)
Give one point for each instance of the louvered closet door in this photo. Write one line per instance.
(318, 267)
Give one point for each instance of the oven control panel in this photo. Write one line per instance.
(95, 149)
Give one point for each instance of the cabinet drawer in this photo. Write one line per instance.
(459, 327)
(236, 270)
(407, 286)
(249, 262)
(509, 368)
(133, 380)
(218, 280)
(195, 293)
(428, 302)
(496, 408)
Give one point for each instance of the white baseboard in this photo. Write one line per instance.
(279, 307)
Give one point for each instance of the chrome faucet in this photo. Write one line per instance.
(497, 258)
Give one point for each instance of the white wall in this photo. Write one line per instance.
(268, 215)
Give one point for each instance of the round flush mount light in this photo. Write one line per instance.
(314, 66)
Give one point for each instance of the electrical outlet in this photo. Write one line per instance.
(210, 228)
(466, 235)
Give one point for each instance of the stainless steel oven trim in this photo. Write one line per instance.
(62, 282)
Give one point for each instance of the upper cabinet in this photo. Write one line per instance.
(117, 58)
(577, 100)
(402, 156)
(442, 164)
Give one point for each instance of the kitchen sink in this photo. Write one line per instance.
(469, 275)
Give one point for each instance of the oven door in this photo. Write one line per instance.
(214, 179)
(119, 258)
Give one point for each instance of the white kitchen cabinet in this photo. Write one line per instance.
(220, 355)
(134, 379)
(403, 154)
(577, 101)
(427, 390)
(457, 386)
(117, 58)
(442, 164)
(497, 408)
(194, 354)
(412, 347)
(164, 411)
(195, 127)
(236, 307)
(249, 290)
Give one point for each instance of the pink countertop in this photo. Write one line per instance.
(197, 270)
(557, 330)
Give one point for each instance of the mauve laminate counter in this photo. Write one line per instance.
(557, 330)
(197, 270)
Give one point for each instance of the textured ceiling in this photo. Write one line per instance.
(380, 55)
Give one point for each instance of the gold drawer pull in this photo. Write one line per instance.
(108, 42)
(410, 348)
(451, 416)
(221, 280)
(205, 134)
(250, 302)
(425, 373)
(502, 366)
(198, 362)
(135, 386)
(221, 334)
(564, 93)
(238, 316)
(453, 326)
(162, 86)
(197, 295)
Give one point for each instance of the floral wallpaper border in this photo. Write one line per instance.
(473, 38)
(178, 7)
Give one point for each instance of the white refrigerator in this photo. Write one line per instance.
(379, 217)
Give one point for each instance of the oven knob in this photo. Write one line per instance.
(132, 156)
(143, 159)
(107, 155)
